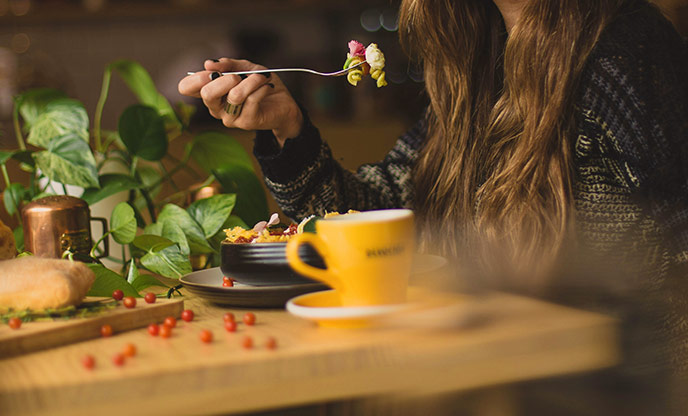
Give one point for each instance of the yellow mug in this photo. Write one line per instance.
(367, 255)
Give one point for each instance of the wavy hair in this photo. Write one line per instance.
(496, 171)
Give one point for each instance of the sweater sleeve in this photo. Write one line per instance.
(305, 179)
(639, 95)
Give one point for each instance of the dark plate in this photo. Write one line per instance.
(208, 285)
(265, 264)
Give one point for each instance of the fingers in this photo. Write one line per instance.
(214, 93)
(227, 64)
(236, 100)
(250, 116)
(248, 86)
(191, 85)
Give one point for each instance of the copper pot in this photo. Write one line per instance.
(57, 223)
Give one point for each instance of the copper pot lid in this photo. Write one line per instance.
(55, 203)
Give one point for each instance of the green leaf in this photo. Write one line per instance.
(145, 281)
(13, 196)
(148, 176)
(192, 230)
(213, 150)
(24, 157)
(309, 226)
(132, 272)
(110, 184)
(19, 238)
(141, 281)
(108, 281)
(168, 262)
(174, 232)
(33, 102)
(68, 160)
(5, 156)
(150, 242)
(154, 229)
(251, 203)
(142, 85)
(60, 117)
(123, 223)
(212, 212)
(143, 132)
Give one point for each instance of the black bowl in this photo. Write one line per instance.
(265, 264)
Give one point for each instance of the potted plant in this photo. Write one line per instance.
(58, 147)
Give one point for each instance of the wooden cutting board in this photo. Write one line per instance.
(34, 336)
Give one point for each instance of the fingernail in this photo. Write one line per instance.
(266, 74)
(215, 75)
(215, 60)
(270, 84)
(243, 76)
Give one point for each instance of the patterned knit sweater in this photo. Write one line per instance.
(630, 186)
(631, 156)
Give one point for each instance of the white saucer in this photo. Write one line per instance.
(325, 309)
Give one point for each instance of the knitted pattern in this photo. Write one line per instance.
(630, 184)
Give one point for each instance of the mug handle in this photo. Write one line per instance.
(299, 266)
(106, 240)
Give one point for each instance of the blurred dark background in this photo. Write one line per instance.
(66, 44)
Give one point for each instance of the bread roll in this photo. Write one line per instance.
(8, 248)
(39, 283)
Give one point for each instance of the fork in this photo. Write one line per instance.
(310, 71)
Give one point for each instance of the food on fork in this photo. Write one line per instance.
(374, 63)
(39, 283)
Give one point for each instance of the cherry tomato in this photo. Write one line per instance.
(106, 330)
(206, 336)
(229, 316)
(153, 329)
(249, 318)
(130, 301)
(150, 297)
(129, 350)
(118, 359)
(226, 279)
(165, 331)
(228, 283)
(271, 343)
(187, 315)
(88, 361)
(118, 294)
(170, 321)
(247, 342)
(230, 326)
(14, 322)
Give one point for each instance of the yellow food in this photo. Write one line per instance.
(239, 235)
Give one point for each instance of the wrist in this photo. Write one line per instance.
(291, 129)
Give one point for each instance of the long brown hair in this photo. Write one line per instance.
(496, 167)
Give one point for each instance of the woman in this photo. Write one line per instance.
(555, 140)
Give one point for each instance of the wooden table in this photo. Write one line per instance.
(518, 339)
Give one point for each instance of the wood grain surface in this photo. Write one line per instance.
(34, 336)
(516, 339)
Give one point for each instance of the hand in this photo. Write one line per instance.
(267, 104)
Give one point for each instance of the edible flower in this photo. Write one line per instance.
(356, 48)
(263, 225)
